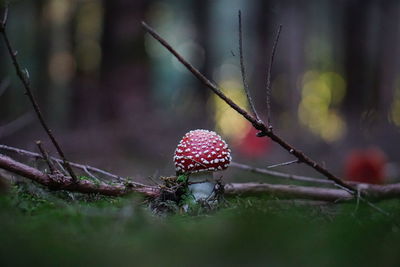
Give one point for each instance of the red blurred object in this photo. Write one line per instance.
(253, 146)
(366, 166)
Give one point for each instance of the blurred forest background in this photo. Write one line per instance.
(117, 100)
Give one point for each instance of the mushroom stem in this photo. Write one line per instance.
(201, 185)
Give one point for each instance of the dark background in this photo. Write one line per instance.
(118, 100)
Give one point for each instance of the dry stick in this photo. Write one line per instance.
(293, 177)
(75, 165)
(280, 174)
(288, 191)
(243, 69)
(61, 182)
(259, 125)
(5, 18)
(59, 163)
(89, 173)
(269, 72)
(45, 156)
(245, 167)
(26, 83)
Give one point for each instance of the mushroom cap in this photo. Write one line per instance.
(201, 150)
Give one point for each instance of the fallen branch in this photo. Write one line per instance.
(62, 182)
(288, 191)
(372, 192)
(245, 167)
(82, 167)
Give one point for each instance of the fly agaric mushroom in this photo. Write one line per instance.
(199, 154)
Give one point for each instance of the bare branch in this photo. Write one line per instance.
(75, 165)
(259, 125)
(61, 182)
(45, 156)
(61, 167)
(24, 77)
(85, 169)
(373, 192)
(314, 180)
(269, 72)
(243, 69)
(288, 191)
(276, 174)
(5, 18)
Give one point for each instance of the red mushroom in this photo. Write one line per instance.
(199, 154)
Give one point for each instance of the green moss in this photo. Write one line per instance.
(50, 229)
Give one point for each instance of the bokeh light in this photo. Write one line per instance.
(321, 93)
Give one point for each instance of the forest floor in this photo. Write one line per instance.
(63, 229)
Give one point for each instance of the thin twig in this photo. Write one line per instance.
(243, 69)
(61, 182)
(259, 125)
(269, 72)
(288, 191)
(5, 18)
(283, 164)
(24, 77)
(151, 179)
(75, 165)
(45, 156)
(276, 174)
(359, 197)
(89, 173)
(57, 182)
(59, 163)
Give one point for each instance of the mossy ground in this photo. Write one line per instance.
(38, 228)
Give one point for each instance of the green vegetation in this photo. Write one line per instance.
(64, 229)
